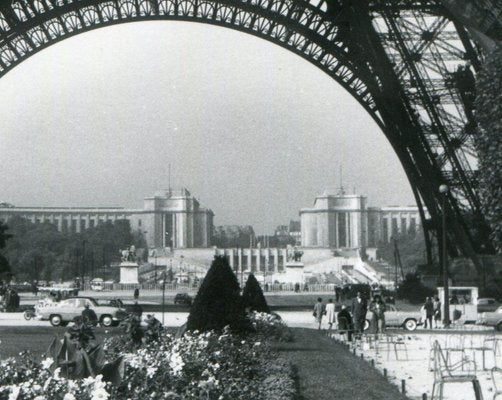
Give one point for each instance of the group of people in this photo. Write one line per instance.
(431, 311)
(355, 319)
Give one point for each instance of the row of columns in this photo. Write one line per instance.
(274, 259)
(80, 221)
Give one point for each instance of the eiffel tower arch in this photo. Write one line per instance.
(409, 63)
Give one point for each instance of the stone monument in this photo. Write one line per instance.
(128, 266)
(294, 267)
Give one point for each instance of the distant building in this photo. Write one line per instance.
(233, 236)
(169, 219)
(295, 231)
(345, 221)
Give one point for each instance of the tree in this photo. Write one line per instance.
(413, 290)
(218, 302)
(5, 273)
(411, 247)
(4, 236)
(252, 296)
(488, 141)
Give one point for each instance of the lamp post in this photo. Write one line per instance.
(443, 189)
(84, 266)
(155, 255)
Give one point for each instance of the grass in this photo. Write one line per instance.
(36, 339)
(327, 370)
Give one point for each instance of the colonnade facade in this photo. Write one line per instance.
(345, 221)
(169, 219)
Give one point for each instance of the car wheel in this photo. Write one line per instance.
(499, 326)
(410, 324)
(366, 325)
(27, 315)
(56, 320)
(106, 321)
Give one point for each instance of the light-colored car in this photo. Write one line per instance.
(394, 317)
(491, 319)
(59, 314)
(487, 304)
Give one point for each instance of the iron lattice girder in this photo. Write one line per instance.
(311, 30)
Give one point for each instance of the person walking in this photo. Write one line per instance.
(89, 317)
(319, 311)
(136, 294)
(137, 310)
(330, 313)
(345, 322)
(437, 311)
(377, 307)
(359, 310)
(429, 312)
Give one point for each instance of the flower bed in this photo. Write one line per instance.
(270, 327)
(196, 366)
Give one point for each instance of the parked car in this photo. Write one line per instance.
(183, 298)
(394, 317)
(59, 314)
(491, 319)
(487, 304)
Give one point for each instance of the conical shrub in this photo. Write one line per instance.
(253, 297)
(218, 302)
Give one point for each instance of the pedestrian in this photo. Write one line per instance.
(153, 328)
(319, 311)
(136, 294)
(330, 313)
(137, 310)
(377, 307)
(345, 322)
(359, 310)
(437, 311)
(89, 317)
(429, 312)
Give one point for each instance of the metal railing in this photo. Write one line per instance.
(176, 287)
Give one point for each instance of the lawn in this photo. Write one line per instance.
(327, 370)
(36, 339)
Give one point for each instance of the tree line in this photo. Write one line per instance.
(38, 251)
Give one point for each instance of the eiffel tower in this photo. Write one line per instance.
(411, 64)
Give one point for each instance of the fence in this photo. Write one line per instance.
(177, 287)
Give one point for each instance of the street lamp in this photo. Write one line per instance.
(443, 189)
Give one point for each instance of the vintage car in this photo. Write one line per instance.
(487, 304)
(491, 319)
(183, 298)
(408, 320)
(60, 313)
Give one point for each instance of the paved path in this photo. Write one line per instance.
(296, 319)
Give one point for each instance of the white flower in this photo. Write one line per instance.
(46, 364)
(257, 343)
(69, 396)
(150, 371)
(88, 381)
(176, 363)
(100, 394)
(14, 393)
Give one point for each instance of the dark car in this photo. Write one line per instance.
(183, 298)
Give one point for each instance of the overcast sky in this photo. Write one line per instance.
(252, 130)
